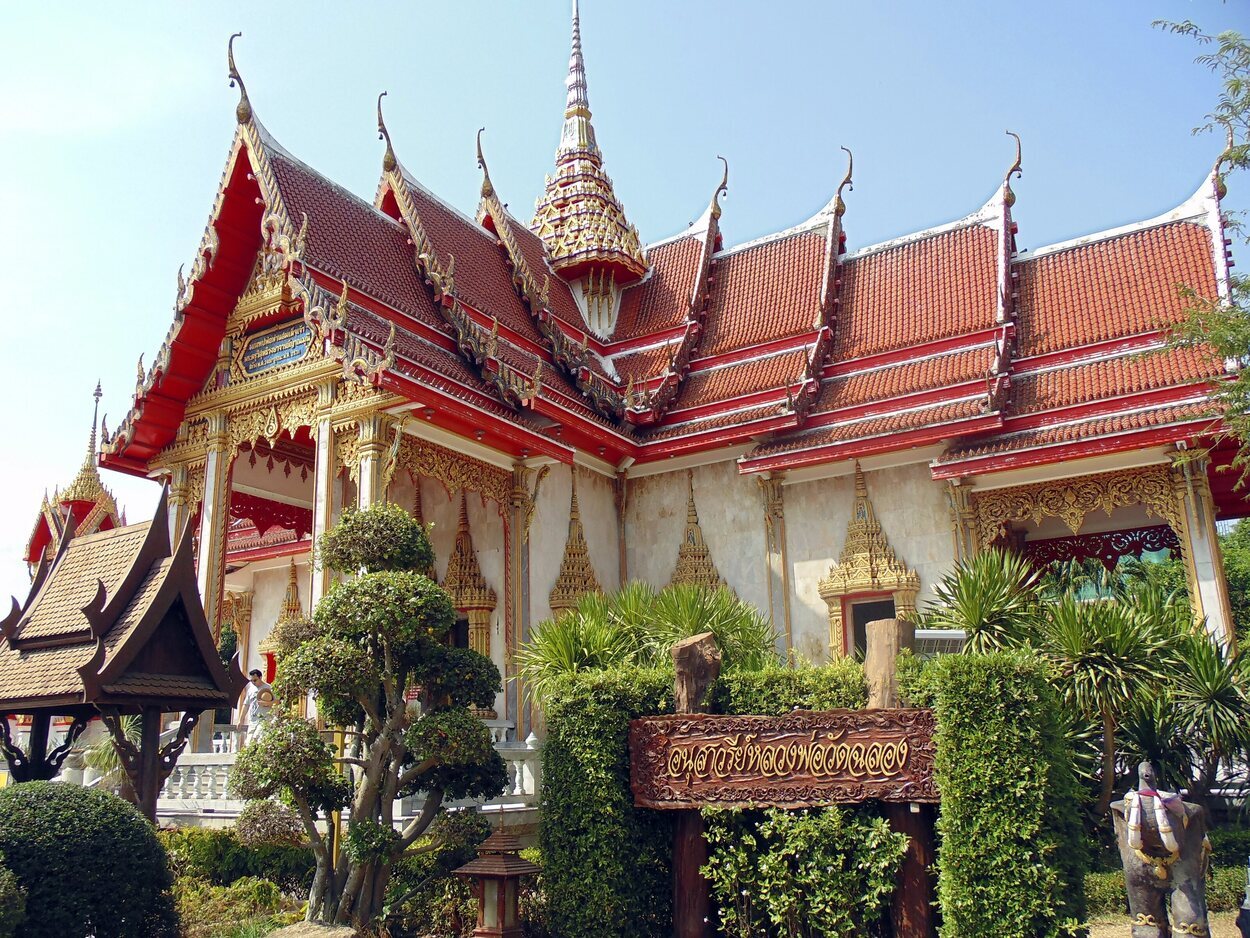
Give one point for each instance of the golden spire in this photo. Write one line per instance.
(577, 573)
(694, 558)
(579, 218)
(464, 581)
(291, 608)
(243, 110)
(87, 486)
(388, 159)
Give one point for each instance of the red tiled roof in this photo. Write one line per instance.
(873, 427)
(1074, 432)
(1108, 289)
(765, 292)
(715, 422)
(560, 297)
(350, 240)
(1099, 380)
(926, 374)
(647, 363)
(740, 378)
(662, 301)
(930, 289)
(483, 279)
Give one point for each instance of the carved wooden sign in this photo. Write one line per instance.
(799, 760)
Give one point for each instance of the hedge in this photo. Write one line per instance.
(12, 902)
(1012, 856)
(777, 690)
(216, 856)
(606, 864)
(89, 862)
(1105, 895)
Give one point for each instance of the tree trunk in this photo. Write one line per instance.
(1108, 764)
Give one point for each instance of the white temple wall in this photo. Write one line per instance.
(268, 594)
(730, 516)
(596, 499)
(915, 519)
(548, 531)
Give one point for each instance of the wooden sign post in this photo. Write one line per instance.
(803, 759)
(698, 665)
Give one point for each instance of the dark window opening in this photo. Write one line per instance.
(459, 635)
(863, 612)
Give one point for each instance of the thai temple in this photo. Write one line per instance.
(824, 427)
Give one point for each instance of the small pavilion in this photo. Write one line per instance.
(113, 626)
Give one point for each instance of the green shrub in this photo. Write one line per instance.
(12, 902)
(607, 864)
(248, 906)
(268, 822)
(1105, 894)
(1012, 857)
(776, 690)
(423, 897)
(1226, 888)
(216, 856)
(1230, 846)
(89, 862)
(825, 873)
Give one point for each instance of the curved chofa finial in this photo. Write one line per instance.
(722, 189)
(243, 110)
(1015, 170)
(487, 188)
(1226, 154)
(839, 207)
(388, 159)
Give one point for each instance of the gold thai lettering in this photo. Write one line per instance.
(815, 756)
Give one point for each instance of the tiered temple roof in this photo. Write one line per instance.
(784, 352)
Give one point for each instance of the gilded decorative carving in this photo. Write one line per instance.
(694, 558)
(455, 471)
(867, 564)
(577, 573)
(236, 609)
(347, 450)
(1071, 500)
(525, 495)
(470, 593)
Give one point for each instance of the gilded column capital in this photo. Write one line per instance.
(217, 436)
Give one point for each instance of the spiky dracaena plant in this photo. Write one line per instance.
(993, 597)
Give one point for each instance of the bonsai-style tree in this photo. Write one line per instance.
(377, 639)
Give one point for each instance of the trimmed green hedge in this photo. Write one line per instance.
(1105, 895)
(216, 856)
(1230, 846)
(89, 862)
(777, 690)
(1012, 857)
(606, 864)
(12, 902)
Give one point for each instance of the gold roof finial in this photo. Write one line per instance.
(388, 159)
(243, 110)
(87, 486)
(1221, 190)
(1015, 170)
(839, 207)
(487, 188)
(722, 189)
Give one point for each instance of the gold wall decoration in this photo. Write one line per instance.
(455, 471)
(236, 609)
(577, 573)
(525, 484)
(866, 565)
(470, 593)
(1072, 499)
(694, 558)
(347, 450)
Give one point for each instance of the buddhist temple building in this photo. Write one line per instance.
(824, 427)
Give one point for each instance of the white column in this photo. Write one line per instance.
(1204, 545)
(324, 476)
(371, 452)
(214, 519)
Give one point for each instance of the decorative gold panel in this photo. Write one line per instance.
(577, 573)
(694, 557)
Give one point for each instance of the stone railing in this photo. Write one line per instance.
(196, 789)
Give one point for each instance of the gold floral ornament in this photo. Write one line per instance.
(577, 573)
(867, 564)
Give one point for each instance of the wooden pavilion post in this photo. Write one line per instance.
(698, 665)
(149, 763)
(37, 745)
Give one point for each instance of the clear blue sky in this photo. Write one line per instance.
(115, 120)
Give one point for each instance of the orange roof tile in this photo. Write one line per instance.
(1083, 430)
(1108, 289)
(765, 292)
(715, 422)
(647, 363)
(1099, 380)
(746, 377)
(872, 427)
(662, 301)
(930, 289)
(926, 374)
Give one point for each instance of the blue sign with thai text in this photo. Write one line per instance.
(273, 348)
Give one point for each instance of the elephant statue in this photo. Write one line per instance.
(1163, 846)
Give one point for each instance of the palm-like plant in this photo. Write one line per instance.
(102, 756)
(1105, 654)
(589, 637)
(993, 597)
(746, 639)
(1211, 697)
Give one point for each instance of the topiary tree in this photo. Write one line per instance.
(12, 902)
(266, 822)
(89, 862)
(375, 637)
